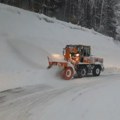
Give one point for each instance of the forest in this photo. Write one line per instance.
(100, 15)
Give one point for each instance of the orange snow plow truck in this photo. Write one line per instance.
(77, 61)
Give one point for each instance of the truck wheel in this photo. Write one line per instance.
(82, 72)
(68, 73)
(96, 71)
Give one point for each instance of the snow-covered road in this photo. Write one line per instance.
(45, 102)
(28, 91)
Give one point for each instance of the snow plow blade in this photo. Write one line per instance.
(56, 62)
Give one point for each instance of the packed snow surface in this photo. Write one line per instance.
(29, 91)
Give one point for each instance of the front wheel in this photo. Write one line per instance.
(68, 73)
(82, 72)
(96, 71)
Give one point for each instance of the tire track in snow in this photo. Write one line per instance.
(21, 108)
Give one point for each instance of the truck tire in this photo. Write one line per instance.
(68, 73)
(82, 72)
(96, 70)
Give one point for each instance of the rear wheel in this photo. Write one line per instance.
(96, 71)
(68, 73)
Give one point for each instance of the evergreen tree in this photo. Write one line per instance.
(97, 14)
(109, 19)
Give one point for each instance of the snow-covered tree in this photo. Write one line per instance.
(94, 14)
(109, 18)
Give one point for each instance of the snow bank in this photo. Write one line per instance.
(26, 39)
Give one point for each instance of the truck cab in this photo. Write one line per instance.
(76, 52)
